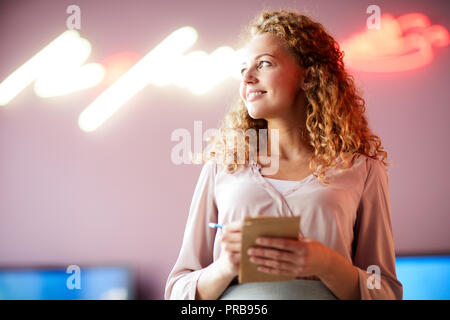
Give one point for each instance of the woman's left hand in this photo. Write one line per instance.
(299, 258)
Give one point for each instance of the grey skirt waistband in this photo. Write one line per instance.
(298, 289)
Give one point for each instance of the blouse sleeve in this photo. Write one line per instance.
(197, 248)
(373, 246)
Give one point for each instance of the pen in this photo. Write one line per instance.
(215, 225)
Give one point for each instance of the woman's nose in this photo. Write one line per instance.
(249, 77)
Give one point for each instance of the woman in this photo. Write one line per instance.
(293, 81)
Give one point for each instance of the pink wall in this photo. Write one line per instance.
(114, 196)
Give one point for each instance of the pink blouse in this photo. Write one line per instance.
(352, 216)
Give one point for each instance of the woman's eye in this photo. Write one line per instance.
(262, 62)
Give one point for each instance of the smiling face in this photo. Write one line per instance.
(271, 79)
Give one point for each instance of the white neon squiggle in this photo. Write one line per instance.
(199, 72)
(164, 65)
(152, 68)
(66, 51)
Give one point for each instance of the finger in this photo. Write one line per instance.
(281, 243)
(283, 272)
(234, 226)
(232, 247)
(276, 254)
(295, 266)
(276, 264)
(232, 237)
(235, 258)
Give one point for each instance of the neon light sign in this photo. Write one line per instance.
(165, 64)
(400, 44)
(52, 69)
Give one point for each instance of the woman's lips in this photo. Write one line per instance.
(255, 95)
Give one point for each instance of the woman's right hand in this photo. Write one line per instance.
(217, 276)
(230, 257)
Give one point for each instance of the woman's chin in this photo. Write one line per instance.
(255, 114)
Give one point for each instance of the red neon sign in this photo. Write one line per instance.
(401, 44)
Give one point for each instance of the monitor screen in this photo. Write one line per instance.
(424, 277)
(93, 283)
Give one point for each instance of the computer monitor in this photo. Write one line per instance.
(58, 283)
(424, 277)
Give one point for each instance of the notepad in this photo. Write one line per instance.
(254, 227)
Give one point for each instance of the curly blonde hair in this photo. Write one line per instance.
(335, 120)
